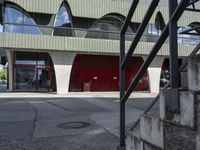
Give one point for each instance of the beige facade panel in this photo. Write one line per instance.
(79, 45)
(99, 8)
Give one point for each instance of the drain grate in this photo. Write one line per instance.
(73, 125)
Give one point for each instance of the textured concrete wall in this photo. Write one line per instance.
(133, 141)
(194, 73)
(151, 128)
(99, 8)
(179, 138)
(175, 130)
(82, 45)
(147, 146)
(183, 131)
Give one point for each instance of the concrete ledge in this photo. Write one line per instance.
(152, 131)
(194, 73)
(74, 95)
(187, 108)
(133, 141)
(186, 117)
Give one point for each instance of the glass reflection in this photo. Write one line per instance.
(13, 15)
(153, 31)
(34, 72)
(27, 58)
(62, 22)
(25, 79)
(108, 28)
(186, 38)
(16, 21)
(30, 29)
(13, 28)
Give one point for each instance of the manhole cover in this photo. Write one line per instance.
(73, 125)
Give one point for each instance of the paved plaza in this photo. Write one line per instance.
(63, 123)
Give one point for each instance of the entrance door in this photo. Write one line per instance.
(33, 72)
(25, 79)
(43, 79)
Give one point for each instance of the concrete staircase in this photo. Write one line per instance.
(169, 130)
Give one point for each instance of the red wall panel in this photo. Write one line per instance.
(102, 73)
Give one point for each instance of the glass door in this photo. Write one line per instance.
(43, 81)
(33, 72)
(25, 79)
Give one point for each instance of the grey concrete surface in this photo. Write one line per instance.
(33, 123)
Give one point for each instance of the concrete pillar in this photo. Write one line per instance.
(154, 72)
(194, 73)
(63, 62)
(10, 57)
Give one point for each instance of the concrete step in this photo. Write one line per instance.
(133, 140)
(152, 131)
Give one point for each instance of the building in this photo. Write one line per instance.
(73, 45)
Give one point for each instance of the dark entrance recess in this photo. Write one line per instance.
(101, 73)
(165, 72)
(33, 72)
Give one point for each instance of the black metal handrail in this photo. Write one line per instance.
(177, 14)
(197, 48)
(148, 108)
(124, 95)
(141, 30)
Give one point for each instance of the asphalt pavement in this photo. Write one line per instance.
(64, 123)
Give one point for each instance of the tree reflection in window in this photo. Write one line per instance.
(108, 27)
(63, 22)
(18, 22)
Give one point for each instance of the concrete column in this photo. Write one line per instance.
(154, 72)
(10, 57)
(63, 62)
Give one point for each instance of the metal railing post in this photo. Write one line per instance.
(133, 7)
(122, 92)
(172, 103)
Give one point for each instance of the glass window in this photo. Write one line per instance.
(25, 79)
(187, 38)
(62, 18)
(16, 21)
(13, 15)
(28, 58)
(13, 28)
(108, 28)
(32, 29)
(152, 30)
(63, 23)
(34, 72)
(25, 58)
